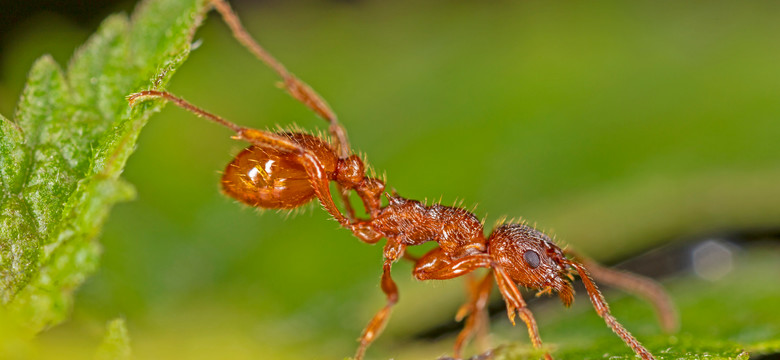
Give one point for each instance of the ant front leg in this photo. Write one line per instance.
(516, 305)
(438, 265)
(392, 252)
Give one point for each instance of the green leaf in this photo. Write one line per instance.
(61, 156)
(116, 343)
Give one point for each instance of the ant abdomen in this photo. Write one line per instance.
(275, 179)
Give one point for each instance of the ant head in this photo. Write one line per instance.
(531, 259)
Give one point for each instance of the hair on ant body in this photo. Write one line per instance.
(288, 169)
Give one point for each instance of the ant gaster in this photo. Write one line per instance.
(285, 170)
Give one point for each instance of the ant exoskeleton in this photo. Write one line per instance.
(287, 169)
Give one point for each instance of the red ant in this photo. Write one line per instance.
(285, 170)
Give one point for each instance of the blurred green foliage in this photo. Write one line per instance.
(617, 125)
(116, 342)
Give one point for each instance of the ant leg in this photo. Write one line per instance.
(297, 88)
(392, 252)
(256, 137)
(641, 286)
(516, 305)
(438, 265)
(294, 86)
(475, 309)
(153, 94)
(603, 310)
(378, 322)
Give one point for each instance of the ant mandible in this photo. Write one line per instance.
(285, 170)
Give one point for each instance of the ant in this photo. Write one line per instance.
(287, 169)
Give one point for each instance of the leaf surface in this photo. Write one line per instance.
(63, 153)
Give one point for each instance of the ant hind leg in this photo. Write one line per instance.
(184, 104)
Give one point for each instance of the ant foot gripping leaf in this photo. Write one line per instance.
(63, 152)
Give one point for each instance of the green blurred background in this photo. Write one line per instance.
(617, 126)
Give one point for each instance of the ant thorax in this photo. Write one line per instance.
(411, 222)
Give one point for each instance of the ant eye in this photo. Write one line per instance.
(531, 258)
